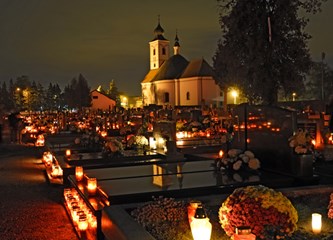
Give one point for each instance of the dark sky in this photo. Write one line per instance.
(55, 40)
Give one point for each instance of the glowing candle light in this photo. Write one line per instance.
(316, 223)
(79, 173)
(221, 153)
(200, 226)
(68, 153)
(82, 223)
(92, 186)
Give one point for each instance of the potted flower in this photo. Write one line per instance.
(303, 153)
(268, 213)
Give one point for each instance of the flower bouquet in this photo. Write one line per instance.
(301, 142)
(268, 213)
(236, 160)
(113, 148)
(330, 207)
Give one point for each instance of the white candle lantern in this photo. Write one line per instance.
(79, 173)
(201, 228)
(316, 223)
(92, 186)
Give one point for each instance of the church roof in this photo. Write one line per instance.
(171, 68)
(150, 76)
(178, 67)
(198, 68)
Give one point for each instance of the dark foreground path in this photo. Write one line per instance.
(30, 208)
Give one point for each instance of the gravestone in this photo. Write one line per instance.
(266, 131)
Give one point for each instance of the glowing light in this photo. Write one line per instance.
(201, 228)
(68, 153)
(221, 153)
(316, 223)
(79, 173)
(92, 186)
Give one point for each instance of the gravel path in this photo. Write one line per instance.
(30, 208)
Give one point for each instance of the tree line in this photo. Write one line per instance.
(26, 95)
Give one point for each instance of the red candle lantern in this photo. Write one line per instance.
(79, 173)
(92, 186)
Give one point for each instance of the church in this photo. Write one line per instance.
(175, 81)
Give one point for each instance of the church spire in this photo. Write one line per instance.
(159, 47)
(176, 46)
(159, 31)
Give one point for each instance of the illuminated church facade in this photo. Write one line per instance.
(175, 81)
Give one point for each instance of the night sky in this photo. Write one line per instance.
(52, 41)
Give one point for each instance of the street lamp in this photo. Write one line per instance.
(234, 94)
(294, 96)
(322, 76)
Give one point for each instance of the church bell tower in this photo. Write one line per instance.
(159, 48)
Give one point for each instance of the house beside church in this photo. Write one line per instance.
(100, 101)
(175, 81)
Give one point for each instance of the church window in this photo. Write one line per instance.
(188, 96)
(166, 97)
(163, 51)
(154, 52)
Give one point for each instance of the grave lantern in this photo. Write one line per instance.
(221, 153)
(201, 228)
(92, 186)
(244, 233)
(82, 223)
(316, 223)
(68, 153)
(79, 173)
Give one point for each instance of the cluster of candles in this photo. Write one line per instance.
(48, 161)
(91, 182)
(81, 215)
(47, 158)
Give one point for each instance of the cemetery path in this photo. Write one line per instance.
(30, 208)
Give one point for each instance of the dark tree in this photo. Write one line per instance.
(77, 94)
(320, 79)
(263, 48)
(54, 97)
(5, 101)
(113, 92)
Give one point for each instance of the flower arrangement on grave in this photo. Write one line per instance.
(330, 207)
(138, 141)
(236, 160)
(113, 147)
(301, 142)
(164, 218)
(267, 212)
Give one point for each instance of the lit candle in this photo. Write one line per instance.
(316, 223)
(68, 153)
(92, 186)
(201, 228)
(220, 153)
(79, 173)
(82, 223)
